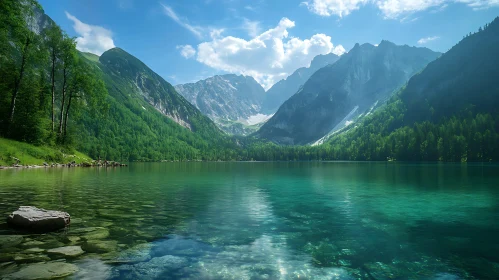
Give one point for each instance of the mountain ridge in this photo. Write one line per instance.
(365, 75)
(226, 99)
(153, 88)
(447, 112)
(285, 88)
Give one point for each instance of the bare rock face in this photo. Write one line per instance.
(36, 219)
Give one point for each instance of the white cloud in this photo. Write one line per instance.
(93, 39)
(480, 4)
(187, 51)
(423, 41)
(196, 30)
(216, 33)
(250, 8)
(391, 9)
(334, 7)
(268, 57)
(252, 27)
(395, 8)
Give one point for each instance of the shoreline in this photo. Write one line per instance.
(69, 165)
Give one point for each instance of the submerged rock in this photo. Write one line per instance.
(31, 258)
(155, 268)
(10, 240)
(34, 250)
(6, 257)
(68, 251)
(43, 271)
(91, 233)
(138, 253)
(97, 233)
(98, 246)
(7, 268)
(94, 269)
(36, 219)
(33, 243)
(73, 239)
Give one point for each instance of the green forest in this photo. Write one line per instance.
(54, 96)
(45, 84)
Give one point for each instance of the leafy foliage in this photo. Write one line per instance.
(448, 112)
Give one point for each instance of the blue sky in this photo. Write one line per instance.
(185, 41)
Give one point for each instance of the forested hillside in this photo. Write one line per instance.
(111, 107)
(44, 84)
(147, 119)
(336, 94)
(447, 112)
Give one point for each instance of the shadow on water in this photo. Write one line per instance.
(474, 248)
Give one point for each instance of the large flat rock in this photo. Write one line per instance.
(68, 251)
(40, 271)
(36, 219)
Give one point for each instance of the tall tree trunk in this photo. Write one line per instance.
(67, 116)
(63, 99)
(53, 88)
(18, 80)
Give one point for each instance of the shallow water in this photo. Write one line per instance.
(336, 220)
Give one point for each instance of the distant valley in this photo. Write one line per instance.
(238, 104)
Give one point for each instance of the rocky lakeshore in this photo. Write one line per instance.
(82, 248)
(62, 254)
(93, 163)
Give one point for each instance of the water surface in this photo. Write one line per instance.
(332, 220)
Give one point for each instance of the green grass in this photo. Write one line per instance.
(30, 154)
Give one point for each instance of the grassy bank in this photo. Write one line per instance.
(36, 155)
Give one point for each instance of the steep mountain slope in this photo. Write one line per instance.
(466, 75)
(136, 114)
(39, 21)
(149, 85)
(284, 89)
(147, 119)
(226, 98)
(351, 86)
(449, 111)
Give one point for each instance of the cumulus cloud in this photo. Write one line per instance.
(187, 51)
(92, 38)
(268, 57)
(252, 27)
(423, 41)
(391, 9)
(196, 30)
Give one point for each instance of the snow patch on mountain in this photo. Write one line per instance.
(258, 118)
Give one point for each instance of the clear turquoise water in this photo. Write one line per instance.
(337, 220)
